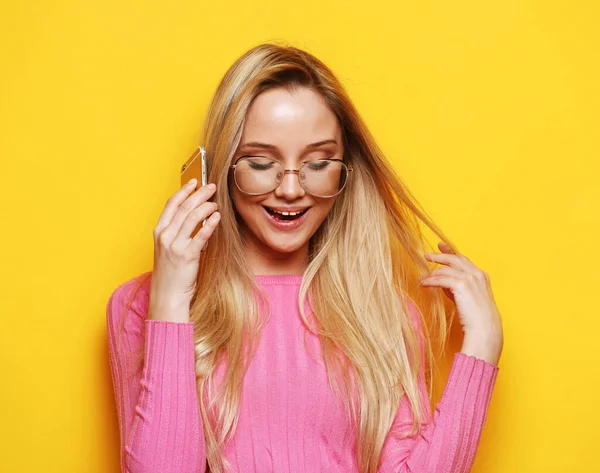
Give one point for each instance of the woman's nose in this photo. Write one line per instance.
(290, 187)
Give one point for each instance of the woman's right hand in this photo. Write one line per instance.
(177, 253)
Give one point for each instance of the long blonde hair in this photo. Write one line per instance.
(366, 255)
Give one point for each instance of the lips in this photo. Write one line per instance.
(285, 223)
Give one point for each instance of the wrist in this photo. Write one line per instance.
(484, 347)
(170, 311)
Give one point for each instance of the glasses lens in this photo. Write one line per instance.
(323, 177)
(257, 174)
(260, 175)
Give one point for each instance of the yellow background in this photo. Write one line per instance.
(489, 110)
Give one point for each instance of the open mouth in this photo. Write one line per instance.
(286, 215)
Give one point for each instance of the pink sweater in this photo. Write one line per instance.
(290, 420)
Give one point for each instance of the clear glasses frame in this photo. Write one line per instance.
(349, 169)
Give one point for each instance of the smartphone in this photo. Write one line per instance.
(195, 166)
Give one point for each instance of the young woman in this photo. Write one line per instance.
(294, 342)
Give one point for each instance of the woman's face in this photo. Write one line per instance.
(291, 127)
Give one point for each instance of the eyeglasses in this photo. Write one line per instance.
(256, 175)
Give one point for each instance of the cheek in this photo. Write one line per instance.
(321, 211)
(245, 206)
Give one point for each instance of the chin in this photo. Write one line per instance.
(283, 244)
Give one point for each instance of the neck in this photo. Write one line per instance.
(268, 261)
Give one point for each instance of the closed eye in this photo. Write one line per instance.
(319, 164)
(258, 166)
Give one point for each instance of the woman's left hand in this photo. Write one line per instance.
(469, 288)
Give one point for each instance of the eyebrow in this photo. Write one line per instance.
(256, 144)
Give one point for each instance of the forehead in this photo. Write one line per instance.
(290, 119)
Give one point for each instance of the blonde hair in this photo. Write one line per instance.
(364, 258)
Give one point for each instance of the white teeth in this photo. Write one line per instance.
(286, 213)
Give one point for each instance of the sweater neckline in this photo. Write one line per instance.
(279, 278)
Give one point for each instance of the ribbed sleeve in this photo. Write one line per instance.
(449, 439)
(159, 417)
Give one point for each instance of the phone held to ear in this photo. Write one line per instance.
(195, 166)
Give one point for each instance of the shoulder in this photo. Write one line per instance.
(128, 303)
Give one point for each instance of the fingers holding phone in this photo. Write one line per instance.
(183, 212)
(177, 250)
(195, 209)
(186, 223)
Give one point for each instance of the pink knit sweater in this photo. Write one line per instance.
(290, 420)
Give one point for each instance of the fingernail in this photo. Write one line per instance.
(212, 186)
(192, 181)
